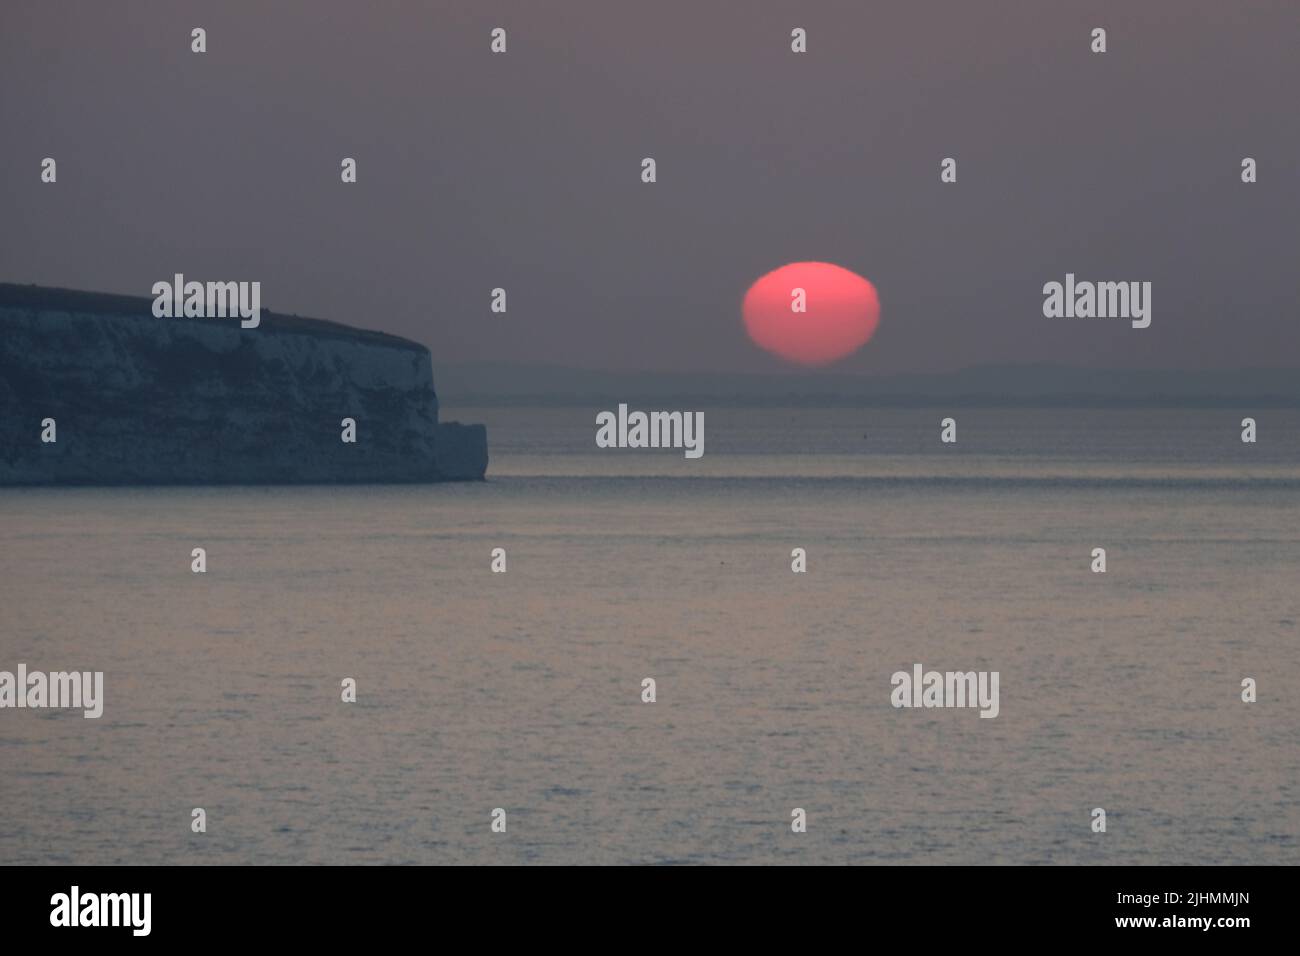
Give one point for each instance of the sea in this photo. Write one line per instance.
(518, 696)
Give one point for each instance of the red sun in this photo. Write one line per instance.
(812, 313)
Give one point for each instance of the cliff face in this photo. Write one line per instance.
(143, 400)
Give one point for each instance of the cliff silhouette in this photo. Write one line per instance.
(137, 399)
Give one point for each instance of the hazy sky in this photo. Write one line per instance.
(523, 171)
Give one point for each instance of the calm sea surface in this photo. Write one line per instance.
(522, 690)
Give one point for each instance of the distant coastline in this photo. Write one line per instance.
(989, 386)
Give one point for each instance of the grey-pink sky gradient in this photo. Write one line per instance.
(523, 170)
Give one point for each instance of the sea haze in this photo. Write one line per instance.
(522, 690)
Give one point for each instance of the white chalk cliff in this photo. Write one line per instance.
(144, 400)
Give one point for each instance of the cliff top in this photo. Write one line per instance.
(49, 299)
